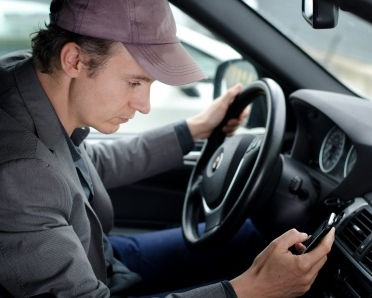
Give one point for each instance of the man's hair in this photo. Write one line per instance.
(48, 43)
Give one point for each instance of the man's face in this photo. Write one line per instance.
(113, 95)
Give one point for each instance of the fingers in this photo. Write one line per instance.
(317, 266)
(300, 247)
(234, 123)
(227, 99)
(235, 90)
(309, 264)
(309, 274)
(202, 124)
(232, 92)
(290, 238)
(245, 113)
(313, 261)
(231, 126)
(323, 248)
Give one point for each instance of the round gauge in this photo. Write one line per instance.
(350, 161)
(331, 150)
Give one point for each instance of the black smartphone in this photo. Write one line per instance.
(320, 232)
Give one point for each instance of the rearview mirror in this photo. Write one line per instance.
(320, 14)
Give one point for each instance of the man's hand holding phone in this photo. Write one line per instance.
(317, 236)
(276, 272)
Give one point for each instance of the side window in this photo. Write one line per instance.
(18, 19)
(206, 61)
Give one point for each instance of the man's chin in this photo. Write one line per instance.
(108, 130)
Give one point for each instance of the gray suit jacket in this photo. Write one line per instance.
(50, 235)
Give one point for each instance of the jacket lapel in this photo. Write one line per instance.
(48, 127)
(53, 146)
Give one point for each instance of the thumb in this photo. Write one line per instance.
(290, 238)
(325, 245)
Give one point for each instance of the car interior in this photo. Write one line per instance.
(304, 152)
(317, 158)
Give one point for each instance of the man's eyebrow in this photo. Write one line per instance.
(139, 77)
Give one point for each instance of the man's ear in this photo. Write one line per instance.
(71, 59)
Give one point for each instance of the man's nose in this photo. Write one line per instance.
(142, 104)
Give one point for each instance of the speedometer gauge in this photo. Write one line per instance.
(331, 150)
(350, 161)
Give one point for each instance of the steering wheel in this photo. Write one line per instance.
(230, 175)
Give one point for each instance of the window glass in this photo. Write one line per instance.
(345, 51)
(207, 62)
(20, 18)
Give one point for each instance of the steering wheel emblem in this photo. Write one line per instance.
(217, 162)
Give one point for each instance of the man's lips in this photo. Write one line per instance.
(125, 119)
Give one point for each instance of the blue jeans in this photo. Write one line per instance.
(165, 263)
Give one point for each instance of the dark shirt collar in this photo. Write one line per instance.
(75, 140)
(73, 143)
(79, 135)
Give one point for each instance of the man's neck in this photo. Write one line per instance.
(56, 89)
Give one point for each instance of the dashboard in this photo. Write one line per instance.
(352, 263)
(333, 141)
(329, 150)
(333, 150)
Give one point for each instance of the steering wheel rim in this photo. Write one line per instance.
(255, 160)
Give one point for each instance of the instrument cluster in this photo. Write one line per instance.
(337, 155)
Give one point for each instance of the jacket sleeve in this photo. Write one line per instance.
(39, 251)
(130, 159)
(211, 291)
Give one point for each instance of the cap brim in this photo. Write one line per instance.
(168, 63)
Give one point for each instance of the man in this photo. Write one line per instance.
(93, 67)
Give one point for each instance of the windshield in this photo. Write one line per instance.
(345, 51)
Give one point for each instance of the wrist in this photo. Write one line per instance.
(237, 285)
(196, 127)
(243, 286)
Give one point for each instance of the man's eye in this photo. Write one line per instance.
(134, 84)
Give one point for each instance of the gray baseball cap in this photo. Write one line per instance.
(146, 28)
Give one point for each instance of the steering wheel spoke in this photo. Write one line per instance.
(213, 219)
(196, 184)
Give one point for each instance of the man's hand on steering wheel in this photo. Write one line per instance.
(202, 124)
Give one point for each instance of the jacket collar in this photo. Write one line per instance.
(48, 127)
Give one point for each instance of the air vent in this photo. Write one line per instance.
(367, 260)
(356, 231)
